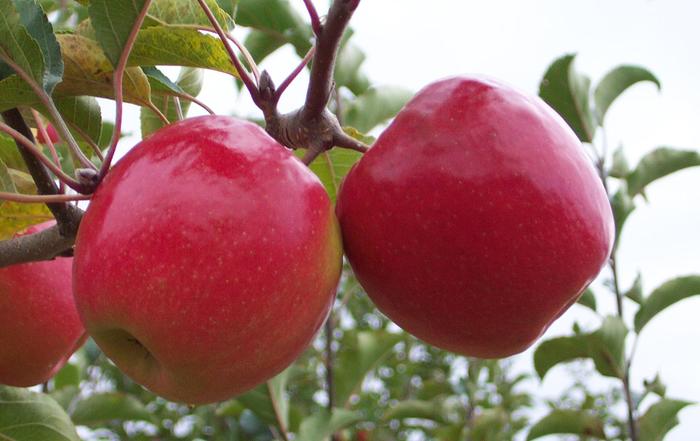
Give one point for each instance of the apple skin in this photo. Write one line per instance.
(39, 324)
(207, 260)
(53, 135)
(476, 219)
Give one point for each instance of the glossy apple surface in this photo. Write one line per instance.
(476, 219)
(207, 260)
(39, 325)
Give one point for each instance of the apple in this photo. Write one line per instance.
(476, 219)
(207, 260)
(39, 324)
(51, 131)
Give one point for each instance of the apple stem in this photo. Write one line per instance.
(313, 15)
(119, 90)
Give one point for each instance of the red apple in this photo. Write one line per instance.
(51, 131)
(39, 325)
(476, 219)
(207, 260)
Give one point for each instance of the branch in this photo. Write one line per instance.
(321, 81)
(44, 245)
(313, 126)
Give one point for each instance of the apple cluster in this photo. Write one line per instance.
(209, 256)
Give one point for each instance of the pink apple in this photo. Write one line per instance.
(476, 219)
(39, 325)
(207, 260)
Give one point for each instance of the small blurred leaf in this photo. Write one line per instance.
(189, 82)
(622, 206)
(571, 422)
(587, 299)
(655, 386)
(568, 92)
(615, 82)
(100, 408)
(359, 354)
(659, 419)
(259, 401)
(429, 410)
(374, 107)
(620, 167)
(664, 296)
(276, 18)
(659, 163)
(30, 416)
(350, 58)
(72, 372)
(635, 292)
(320, 425)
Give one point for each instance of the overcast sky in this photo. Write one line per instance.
(414, 42)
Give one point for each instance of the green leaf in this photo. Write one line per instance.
(568, 422)
(100, 408)
(659, 419)
(72, 372)
(428, 410)
(188, 82)
(261, 44)
(551, 352)
(321, 425)
(276, 18)
(188, 12)
(17, 43)
(350, 58)
(113, 22)
(40, 29)
(374, 107)
(622, 206)
(615, 82)
(82, 112)
(620, 167)
(659, 163)
(259, 400)
(587, 299)
(7, 184)
(359, 354)
(15, 216)
(664, 296)
(606, 347)
(9, 153)
(30, 416)
(635, 291)
(332, 166)
(568, 92)
(655, 386)
(165, 45)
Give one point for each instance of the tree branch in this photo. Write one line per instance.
(321, 79)
(312, 126)
(43, 245)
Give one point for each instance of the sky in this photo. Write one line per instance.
(412, 43)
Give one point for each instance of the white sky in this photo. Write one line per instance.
(414, 42)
